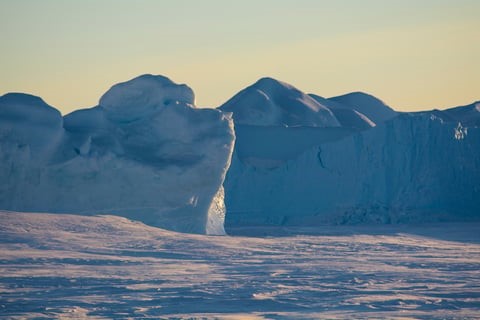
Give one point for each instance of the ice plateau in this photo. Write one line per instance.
(145, 153)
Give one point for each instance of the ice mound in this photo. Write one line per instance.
(144, 153)
(270, 102)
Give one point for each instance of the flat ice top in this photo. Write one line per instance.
(109, 267)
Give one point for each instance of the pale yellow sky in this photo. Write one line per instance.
(413, 56)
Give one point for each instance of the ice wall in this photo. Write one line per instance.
(416, 167)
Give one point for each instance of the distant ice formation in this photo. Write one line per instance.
(145, 152)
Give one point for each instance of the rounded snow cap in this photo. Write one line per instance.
(143, 96)
(269, 102)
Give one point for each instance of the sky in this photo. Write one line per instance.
(414, 55)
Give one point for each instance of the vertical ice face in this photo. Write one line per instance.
(144, 153)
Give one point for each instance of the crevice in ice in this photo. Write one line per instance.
(319, 157)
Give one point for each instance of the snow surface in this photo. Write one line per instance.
(106, 267)
(144, 153)
(270, 102)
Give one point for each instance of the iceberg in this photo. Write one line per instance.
(394, 168)
(145, 153)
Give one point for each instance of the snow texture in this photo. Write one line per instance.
(144, 153)
(75, 267)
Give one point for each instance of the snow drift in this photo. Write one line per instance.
(144, 153)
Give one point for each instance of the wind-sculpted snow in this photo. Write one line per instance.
(144, 153)
(75, 267)
(415, 167)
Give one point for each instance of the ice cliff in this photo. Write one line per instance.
(145, 153)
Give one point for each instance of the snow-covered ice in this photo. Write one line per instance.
(145, 152)
(70, 266)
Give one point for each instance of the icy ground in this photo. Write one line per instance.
(54, 266)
